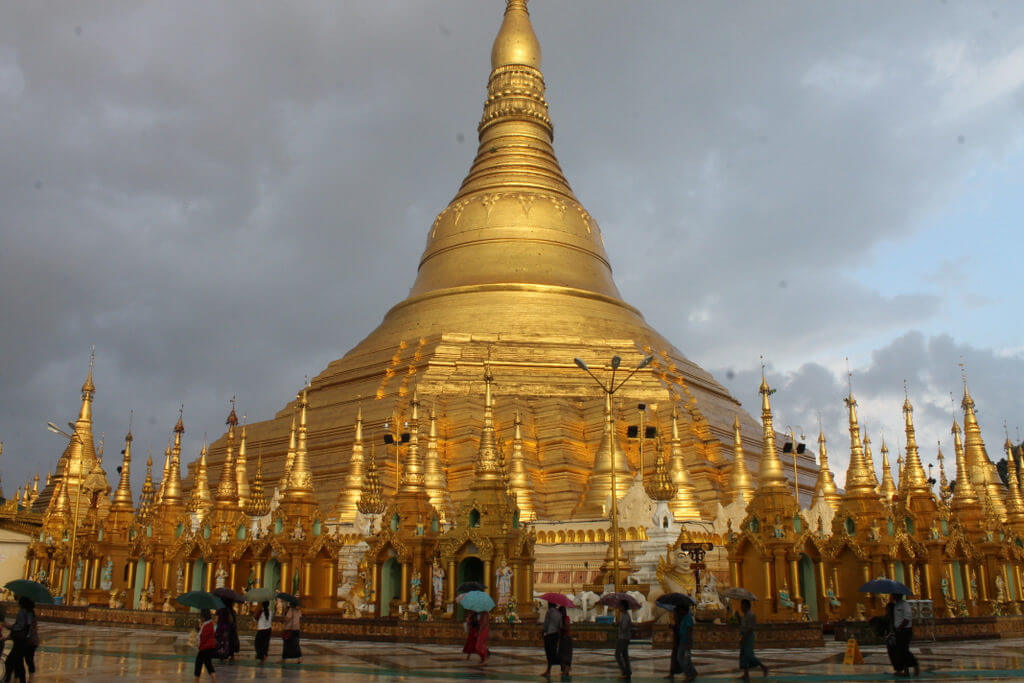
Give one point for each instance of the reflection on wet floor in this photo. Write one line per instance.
(72, 653)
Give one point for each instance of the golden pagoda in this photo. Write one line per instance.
(825, 488)
(514, 273)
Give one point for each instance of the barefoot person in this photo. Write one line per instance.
(903, 620)
(747, 658)
(625, 632)
(550, 633)
(206, 645)
(682, 644)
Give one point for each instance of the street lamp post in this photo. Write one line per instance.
(78, 501)
(795, 448)
(609, 391)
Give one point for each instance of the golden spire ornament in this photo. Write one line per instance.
(964, 494)
(770, 475)
(201, 500)
(661, 486)
(944, 492)
(986, 480)
(859, 479)
(869, 460)
(825, 486)
(227, 488)
(740, 485)
(412, 472)
(257, 505)
(371, 501)
(172, 487)
(683, 503)
(122, 501)
(912, 476)
(242, 469)
(519, 478)
(289, 458)
(300, 479)
(887, 489)
(1014, 500)
(148, 490)
(488, 467)
(348, 496)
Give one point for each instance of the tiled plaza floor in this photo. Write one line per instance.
(70, 653)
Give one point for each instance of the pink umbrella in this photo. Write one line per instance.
(558, 599)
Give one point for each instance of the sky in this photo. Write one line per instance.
(223, 197)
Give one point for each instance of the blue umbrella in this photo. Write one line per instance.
(477, 601)
(885, 586)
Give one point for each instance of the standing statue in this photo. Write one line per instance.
(918, 586)
(179, 579)
(221, 576)
(77, 583)
(437, 582)
(1000, 589)
(250, 583)
(974, 583)
(504, 582)
(414, 587)
(107, 575)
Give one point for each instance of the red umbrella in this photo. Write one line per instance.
(558, 599)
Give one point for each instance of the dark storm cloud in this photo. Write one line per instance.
(225, 197)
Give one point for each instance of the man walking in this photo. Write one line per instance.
(552, 632)
(622, 641)
(903, 620)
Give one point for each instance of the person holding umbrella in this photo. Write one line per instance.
(20, 631)
(625, 633)
(565, 644)
(292, 625)
(747, 658)
(682, 634)
(264, 623)
(903, 620)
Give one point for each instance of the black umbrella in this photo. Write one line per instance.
(470, 586)
(290, 599)
(228, 594)
(672, 600)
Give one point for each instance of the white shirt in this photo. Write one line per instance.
(265, 621)
(902, 612)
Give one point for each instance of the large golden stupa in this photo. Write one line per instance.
(515, 275)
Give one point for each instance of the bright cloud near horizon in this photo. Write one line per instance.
(223, 197)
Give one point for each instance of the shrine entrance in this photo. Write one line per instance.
(390, 586)
(809, 588)
(470, 569)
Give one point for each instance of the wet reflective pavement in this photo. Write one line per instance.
(74, 653)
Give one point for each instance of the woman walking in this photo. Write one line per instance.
(264, 623)
(682, 644)
(625, 632)
(565, 644)
(747, 658)
(227, 632)
(206, 645)
(290, 634)
(478, 632)
(550, 633)
(20, 631)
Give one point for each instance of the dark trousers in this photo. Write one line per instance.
(622, 656)
(904, 656)
(262, 641)
(551, 648)
(30, 658)
(15, 663)
(205, 658)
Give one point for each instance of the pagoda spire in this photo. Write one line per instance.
(257, 505)
(289, 458)
(887, 489)
(825, 486)
(148, 490)
(770, 474)
(660, 486)
(599, 488)
(412, 472)
(348, 496)
(122, 501)
(434, 477)
(859, 479)
(983, 472)
(869, 460)
(683, 503)
(740, 485)
(300, 479)
(371, 500)
(171, 488)
(515, 175)
(964, 494)
(944, 492)
(227, 487)
(241, 469)
(912, 477)
(1014, 500)
(201, 500)
(519, 478)
(488, 466)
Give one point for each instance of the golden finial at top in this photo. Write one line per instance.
(516, 43)
(88, 387)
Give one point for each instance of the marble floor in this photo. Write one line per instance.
(72, 653)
